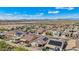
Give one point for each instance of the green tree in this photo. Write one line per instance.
(49, 33)
(4, 46)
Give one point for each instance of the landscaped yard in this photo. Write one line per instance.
(7, 47)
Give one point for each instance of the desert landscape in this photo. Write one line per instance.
(59, 35)
(39, 29)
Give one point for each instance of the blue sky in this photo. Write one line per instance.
(14, 13)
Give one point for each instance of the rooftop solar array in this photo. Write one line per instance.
(45, 39)
(56, 43)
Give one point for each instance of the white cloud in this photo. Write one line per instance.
(70, 16)
(53, 12)
(67, 8)
(8, 14)
(71, 8)
(19, 16)
(36, 15)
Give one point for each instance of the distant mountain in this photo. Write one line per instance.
(20, 20)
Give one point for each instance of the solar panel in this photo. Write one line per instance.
(45, 39)
(56, 43)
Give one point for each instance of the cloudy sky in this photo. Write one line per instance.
(10, 13)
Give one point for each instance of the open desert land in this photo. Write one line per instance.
(20, 23)
(38, 22)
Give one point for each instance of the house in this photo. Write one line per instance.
(66, 33)
(40, 41)
(19, 33)
(71, 33)
(76, 35)
(55, 44)
(9, 34)
(57, 33)
(2, 35)
(40, 30)
(28, 38)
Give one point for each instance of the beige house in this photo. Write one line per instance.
(29, 38)
(40, 30)
(71, 34)
(40, 41)
(9, 34)
(57, 33)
